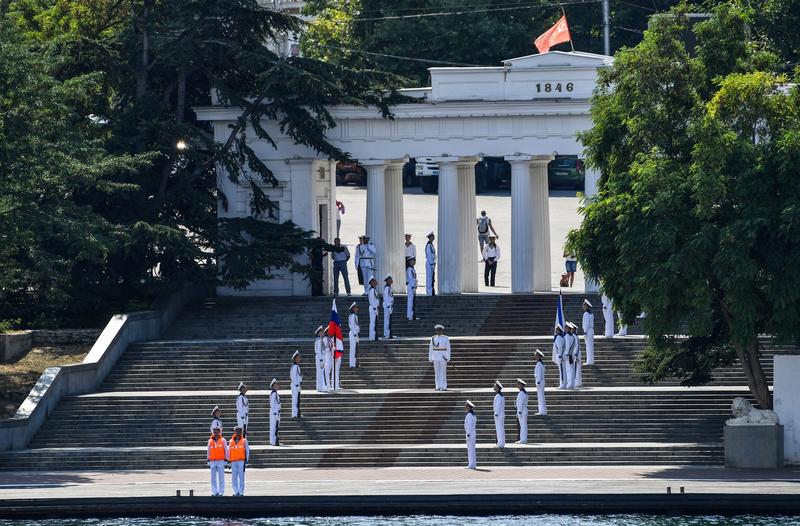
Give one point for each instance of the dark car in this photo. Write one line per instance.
(347, 173)
(566, 171)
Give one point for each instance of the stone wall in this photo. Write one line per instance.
(45, 337)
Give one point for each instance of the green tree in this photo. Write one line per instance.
(697, 217)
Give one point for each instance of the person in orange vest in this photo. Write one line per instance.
(239, 451)
(217, 456)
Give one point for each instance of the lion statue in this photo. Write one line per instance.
(746, 414)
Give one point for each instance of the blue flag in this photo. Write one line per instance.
(559, 313)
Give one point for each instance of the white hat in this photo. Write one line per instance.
(407, 234)
(273, 382)
(363, 235)
(295, 354)
(354, 304)
(469, 403)
(498, 384)
(558, 326)
(540, 353)
(216, 408)
(320, 328)
(388, 277)
(587, 302)
(371, 278)
(438, 326)
(521, 381)
(430, 234)
(571, 325)
(241, 384)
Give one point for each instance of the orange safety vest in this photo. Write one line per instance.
(238, 452)
(216, 449)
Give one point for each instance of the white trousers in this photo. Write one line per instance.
(353, 349)
(608, 315)
(500, 428)
(337, 368)
(588, 340)
(430, 268)
(366, 271)
(321, 385)
(217, 477)
(373, 318)
(540, 400)
(411, 291)
(570, 370)
(274, 425)
(295, 401)
(237, 477)
(440, 374)
(472, 460)
(562, 375)
(387, 320)
(329, 370)
(522, 418)
(241, 421)
(578, 374)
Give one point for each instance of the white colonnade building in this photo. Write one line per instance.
(527, 111)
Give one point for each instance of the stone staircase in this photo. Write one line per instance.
(152, 410)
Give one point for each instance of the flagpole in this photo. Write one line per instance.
(564, 14)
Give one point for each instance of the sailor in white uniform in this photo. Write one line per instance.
(538, 374)
(568, 362)
(499, 408)
(374, 303)
(215, 419)
(328, 348)
(608, 315)
(388, 306)
(274, 413)
(439, 356)
(470, 430)
(521, 406)
(410, 248)
(572, 329)
(365, 258)
(352, 322)
(411, 288)
(559, 355)
(242, 408)
(588, 331)
(296, 377)
(430, 266)
(319, 359)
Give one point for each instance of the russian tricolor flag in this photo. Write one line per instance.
(335, 330)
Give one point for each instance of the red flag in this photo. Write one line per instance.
(557, 34)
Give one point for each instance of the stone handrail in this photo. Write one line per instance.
(70, 380)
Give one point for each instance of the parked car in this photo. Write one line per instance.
(428, 175)
(566, 171)
(490, 173)
(347, 173)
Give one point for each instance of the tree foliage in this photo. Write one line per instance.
(696, 221)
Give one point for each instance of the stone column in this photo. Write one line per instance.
(542, 281)
(467, 226)
(449, 253)
(376, 214)
(521, 224)
(395, 248)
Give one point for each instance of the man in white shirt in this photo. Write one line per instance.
(430, 266)
(491, 255)
(538, 374)
(608, 315)
(588, 331)
(242, 408)
(521, 406)
(352, 322)
(374, 303)
(411, 288)
(388, 306)
(499, 407)
(470, 431)
(328, 349)
(575, 352)
(365, 255)
(274, 413)
(215, 419)
(319, 358)
(439, 356)
(296, 379)
(559, 355)
(484, 225)
(410, 248)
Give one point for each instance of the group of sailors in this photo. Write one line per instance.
(365, 262)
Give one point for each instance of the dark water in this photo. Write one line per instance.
(498, 520)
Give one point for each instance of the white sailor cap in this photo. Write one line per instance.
(296, 353)
(407, 234)
(273, 382)
(571, 325)
(320, 328)
(540, 353)
(587, 302)
(388, 277)
(371, 278)
(438, 326)
(431, 234)
(361, 236)
(241, 384)
(560, 327)
(354, 304)
(216, 408)
(521, 381)
(498, 384)
(410, 257)
(469, 404)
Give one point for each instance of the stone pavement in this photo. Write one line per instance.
(420, 213)
(487, 480)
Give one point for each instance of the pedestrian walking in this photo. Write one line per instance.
(239, 456)
(491, 255)
(366, 253)
(484, 226)
(570, 266)
(411, 288)
(274, 413)
(388, 306)
(499, 407)
(538, 374)
(296, 379)
(439, 356)
(470, 430)
(340, 255)
(430, 266)
(352, 322)
(521, 406)
(588, 331)
(217, 455)
(374, 303)
(242, 408)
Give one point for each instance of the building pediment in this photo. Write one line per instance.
(559, 59)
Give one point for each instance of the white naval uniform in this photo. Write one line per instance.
(296, 377)
(608, 316)
(538, 374)
(328, 346)
(237, 469)
(500, 418)
(410, 250)
(521, 405)
(242, 411)
(217, 467)
(411, 290)
(319, 359)
(430, 268)
(216, 422)
(578, 360)
(470, 430)
(439, 355)
(559, 351)
(352, 322)
(374, 303)
(388, 307)
(274, 417)
(569, 360)
(365, 255)
(588, 336)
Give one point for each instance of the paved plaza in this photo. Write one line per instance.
(420, 213)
